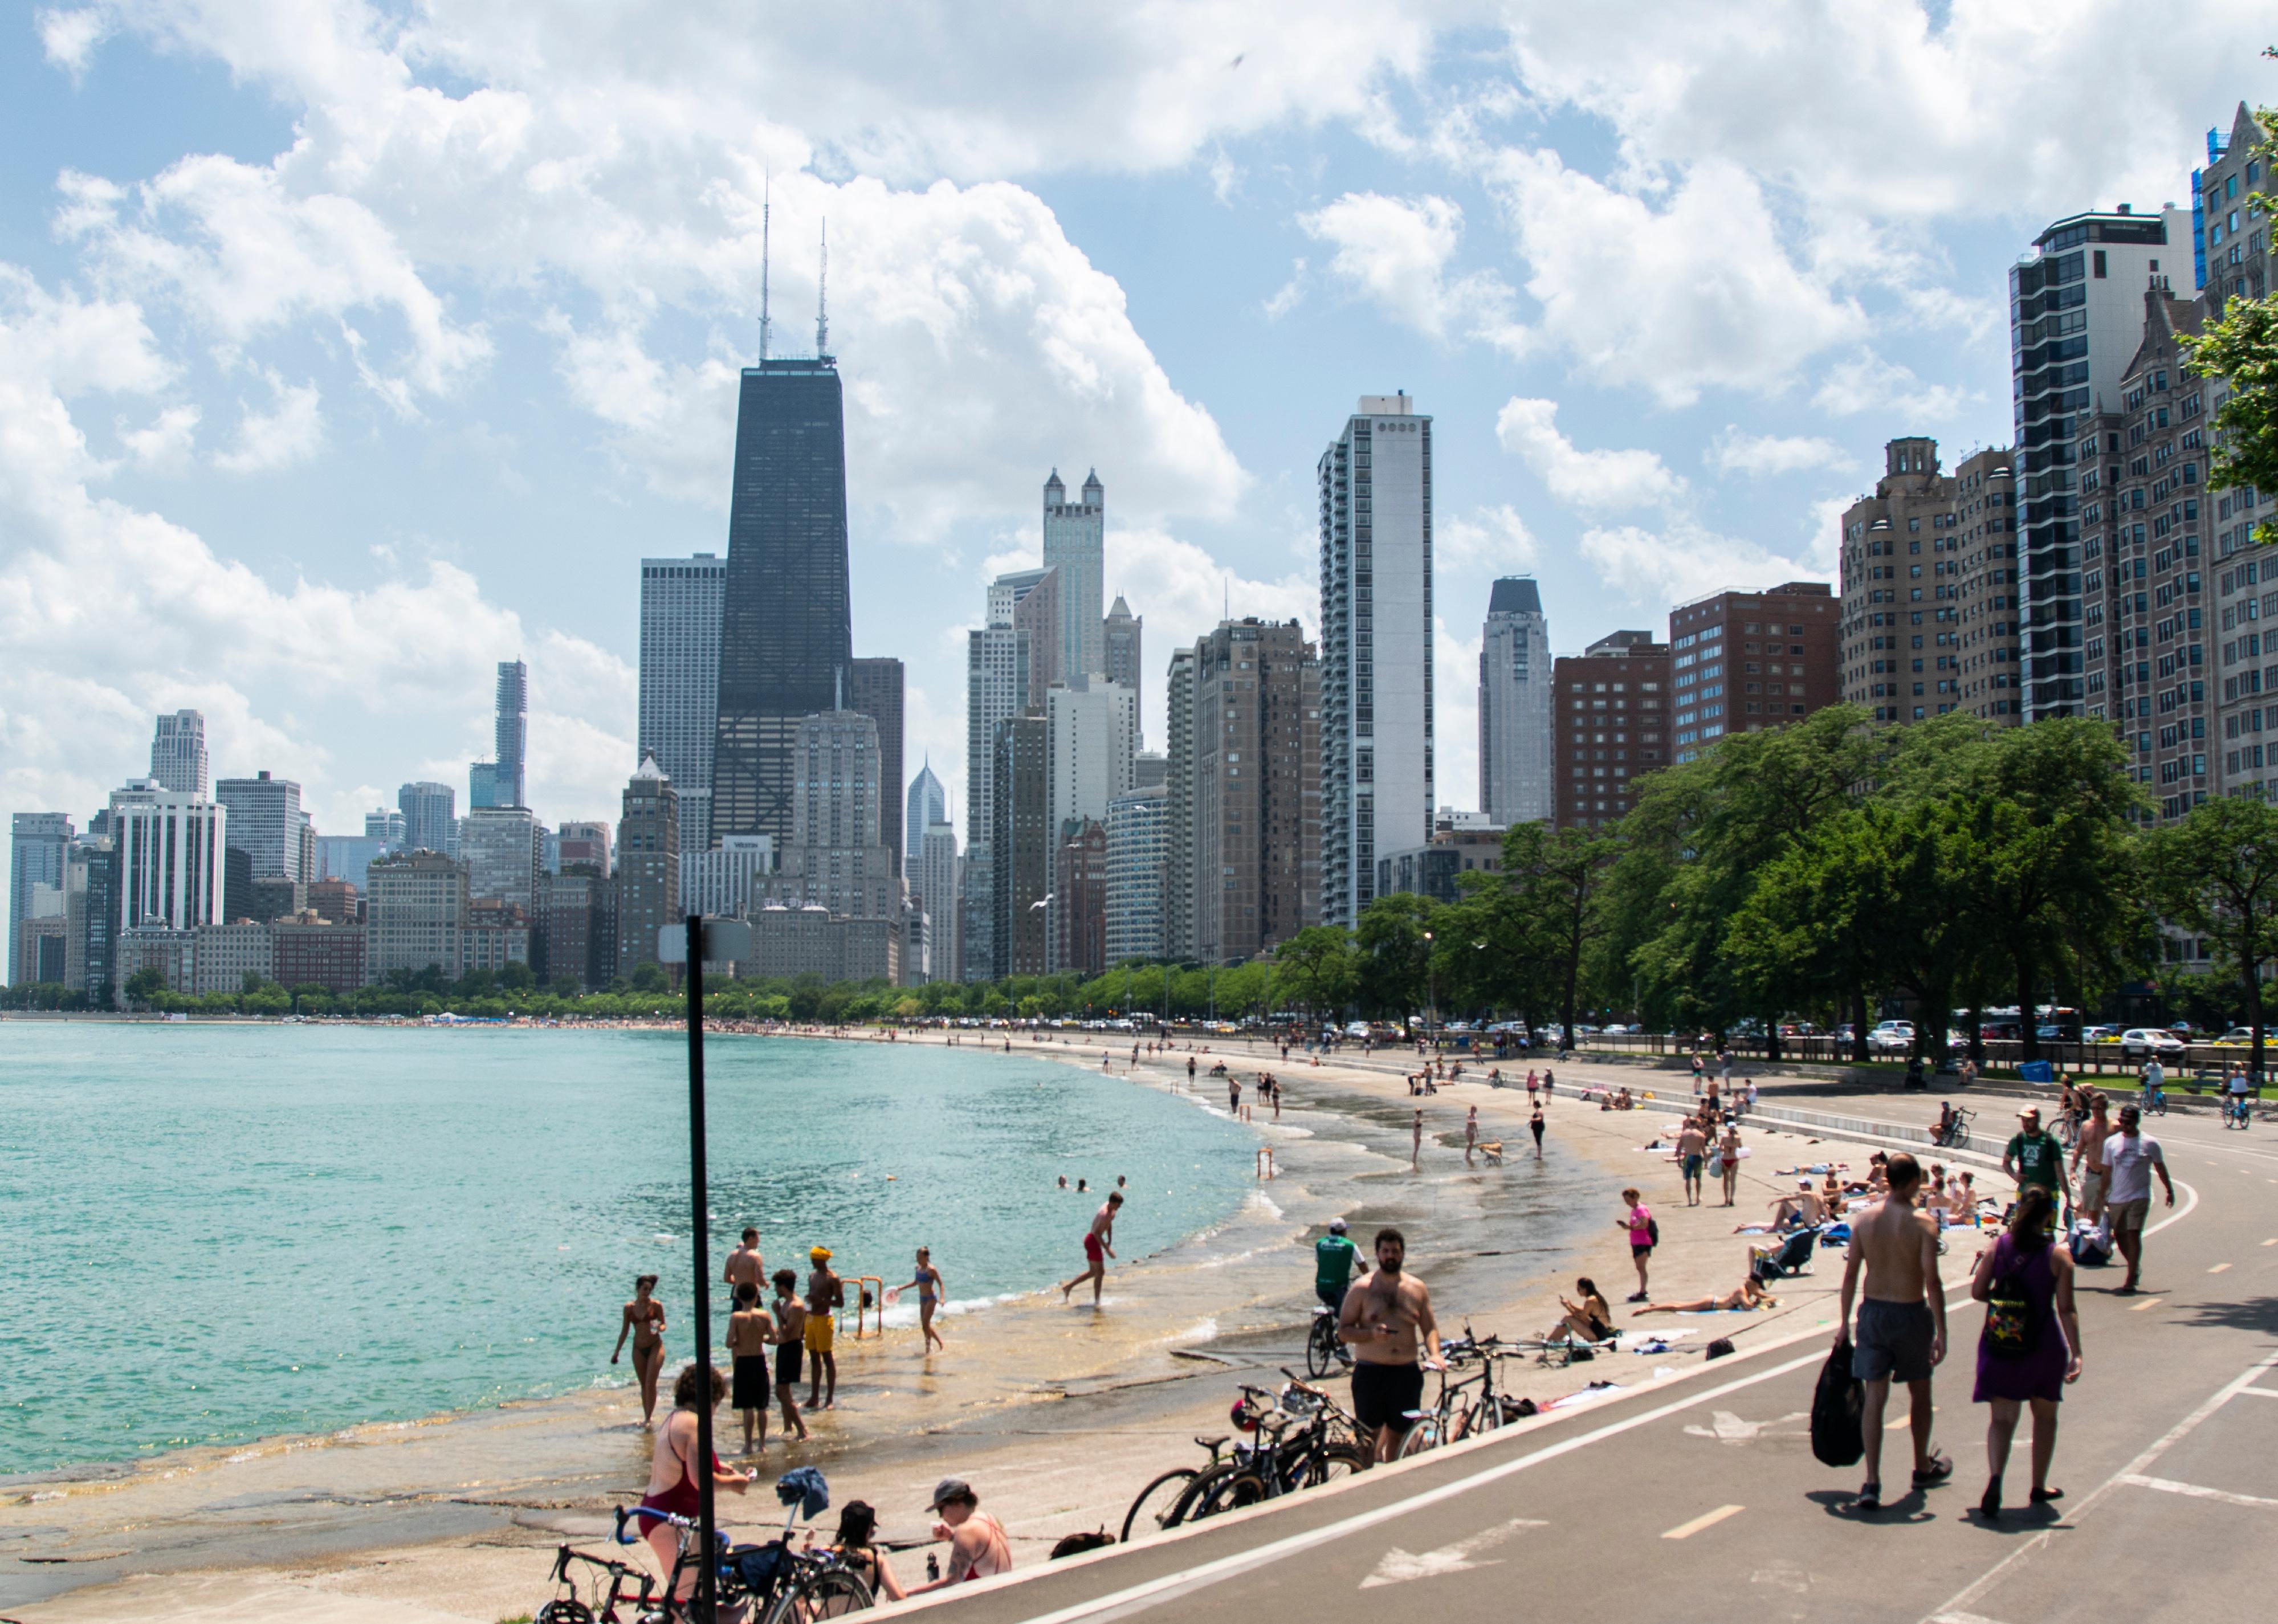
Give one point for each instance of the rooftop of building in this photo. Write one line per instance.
(1515, 595)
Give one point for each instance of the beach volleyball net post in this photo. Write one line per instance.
(701, 941)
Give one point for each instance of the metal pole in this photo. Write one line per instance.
(700, 1207)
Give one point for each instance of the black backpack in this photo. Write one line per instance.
(1077, 1544)
(1836, 1407)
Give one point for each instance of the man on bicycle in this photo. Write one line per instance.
(2155, 1077)
(2236, 1092)
(1335, 1260)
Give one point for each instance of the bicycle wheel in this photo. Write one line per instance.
(1424, 1436)
(1322, 1347)
(1230, 1492)
(565, 1610)
(1150, 1512)
(1188, 1505)
(821, 1593)
(1334, 1463)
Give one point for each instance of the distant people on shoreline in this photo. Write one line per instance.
(644, 1322)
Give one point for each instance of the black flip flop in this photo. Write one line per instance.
(2042, 1497)
(1870, 1498)
(1939, 1469)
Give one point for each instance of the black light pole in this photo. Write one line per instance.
(700, 1206)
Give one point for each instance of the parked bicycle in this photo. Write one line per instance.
(1466, 1408)
(1303, 1438)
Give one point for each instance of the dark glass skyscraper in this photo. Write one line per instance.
(786, 635)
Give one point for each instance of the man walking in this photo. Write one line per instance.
(826, 1292)
(2034, 1156)
(1386, 1321)
(1901, 1326)
(1098, 1247)
(2088, 1155)
(2130, 1160)
(1691, 1148)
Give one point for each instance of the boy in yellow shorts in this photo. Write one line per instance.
(825, 1293)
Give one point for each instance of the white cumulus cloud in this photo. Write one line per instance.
(1733, 452)
(1634, 477)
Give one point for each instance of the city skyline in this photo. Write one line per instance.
(1723, 452)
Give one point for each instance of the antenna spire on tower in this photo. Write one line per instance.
(766, 198)
(822, 300)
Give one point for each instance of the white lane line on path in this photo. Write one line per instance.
(2258, 1392)
(1962, 1618)
(1397, 1567)
(2218, 1268)
(2173, 1435)
(2149, 1302)
(2168, 1485)
(1706, 1520)
(1139, 1597)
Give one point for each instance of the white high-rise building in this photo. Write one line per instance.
(2075, 322)
(928, 804)
(170, 849)
(995, 689)
(1376, 648)
(1091, 735)
(1138, 866)
(725, 880)
(178, 754)
(1515, 704)
(498, 846)
(429, 823)
(1075, 545)
(680, 608)
(938, 890)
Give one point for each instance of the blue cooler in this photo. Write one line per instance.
(2037, 1072)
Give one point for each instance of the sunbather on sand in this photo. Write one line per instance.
(1590, 1320)
(1751, 1295)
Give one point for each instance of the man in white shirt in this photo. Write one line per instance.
(2129, 1161)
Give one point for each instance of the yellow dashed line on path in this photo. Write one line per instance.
(2149, 1302)
(2218, 1268)
(1686, 1530)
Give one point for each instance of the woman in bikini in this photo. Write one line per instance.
(644, 1322)
(977, 1546)
(927, 1283)
(672, 1487)
(1751, 1295)
(1590, 1320)
(857, 1547)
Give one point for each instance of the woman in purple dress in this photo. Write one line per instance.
(2029, 1347)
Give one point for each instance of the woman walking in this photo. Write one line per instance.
(2029, 1347)
(927, 1283)
(644, 1322)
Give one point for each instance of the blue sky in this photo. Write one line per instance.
(345, 349)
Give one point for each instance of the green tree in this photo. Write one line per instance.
(1557, 878)
(1316, 970)
(1394, 957)
(2215, 874)
(648, 977)
(2242, 350)
(145, 985)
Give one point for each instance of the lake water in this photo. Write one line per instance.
(220, 1233)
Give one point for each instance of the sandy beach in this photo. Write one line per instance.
(1056, 1413)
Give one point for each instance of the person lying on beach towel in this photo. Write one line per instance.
(1751, 1296)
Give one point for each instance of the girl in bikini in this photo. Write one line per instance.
(644, 1322)
(927, 1283)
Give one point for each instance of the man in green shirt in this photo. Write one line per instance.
(2035, 1157)
(1334, 1260)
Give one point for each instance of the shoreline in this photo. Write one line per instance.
(1084, 1408)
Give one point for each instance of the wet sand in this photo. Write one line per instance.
(1056, 1413)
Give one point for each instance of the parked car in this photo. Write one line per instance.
(1893, 1037)
(2099, 1034)
(2147, 1042)
(2242, 1037)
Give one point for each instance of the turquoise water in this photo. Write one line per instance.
(220, 1233)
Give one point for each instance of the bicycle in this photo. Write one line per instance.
(773, 1583)
(2152, 1102)
(598, 1606)
(1458, 1415)
(1955, 1134)
(2238, 1111)
(1324, 1349)
(1296, 1450)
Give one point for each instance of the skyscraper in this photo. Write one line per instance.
(1036, 617)
(39, 846)
(1515, 704)
(1092, 733)
(264, 823)
(384, 826)
(1020, 847)
(873, 687)
(997, 686)
(498, 846)
(428, 811)
(178, 754)
(1179, 808)
(1738, 662)
(1376, 647)
(1075, 545)
(786, 632)
(2075, 317)
(648, 864)
(1257, 788)
(680, 608)
(170, 858)
(510, 733)
(927, 805)
(939, 886)
(1137, 872)
(1119, 647)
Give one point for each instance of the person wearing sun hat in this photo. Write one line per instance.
(826, 1293)
(2034, 1156)
(978, 1548)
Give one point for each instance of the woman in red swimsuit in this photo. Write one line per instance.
(672, 1486)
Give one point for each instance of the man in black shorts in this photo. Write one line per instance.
(1386, 1321)
(1901, 1324)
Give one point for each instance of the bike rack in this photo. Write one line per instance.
(865, 1301)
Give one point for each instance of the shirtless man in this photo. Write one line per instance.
(791, 1343)
(1098, 1247)
(746, 1267)
(2095, 1175)
(751, 1350)
(1415, 1138)
(1471, 1133)
(1386, 1321)
(1901, 1324)
(1691, 1148)
(825, 1292)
